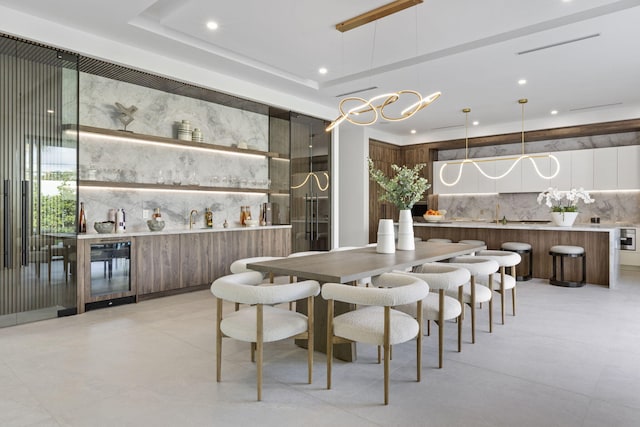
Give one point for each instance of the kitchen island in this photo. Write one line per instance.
(600, 242)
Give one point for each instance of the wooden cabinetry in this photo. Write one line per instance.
(157, 263)
(195, 254)
(383, 156)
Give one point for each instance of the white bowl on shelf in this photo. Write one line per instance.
(251, 222)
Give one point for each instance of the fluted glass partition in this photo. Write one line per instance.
(38, 168)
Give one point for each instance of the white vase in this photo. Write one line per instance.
(405, 231)
(564, 219)
(386, 239)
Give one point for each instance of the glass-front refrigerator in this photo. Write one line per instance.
(310, 184)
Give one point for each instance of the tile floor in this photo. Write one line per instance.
(571, 357)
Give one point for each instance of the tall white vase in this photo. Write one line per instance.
(405, 231)
(564, 219)
(386, 238)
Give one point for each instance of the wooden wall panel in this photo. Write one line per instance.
(383, 156)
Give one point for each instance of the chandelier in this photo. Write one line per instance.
(515, 160)
(362, 112)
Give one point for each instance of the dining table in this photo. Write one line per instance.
(348, 267)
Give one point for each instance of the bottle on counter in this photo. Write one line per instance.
(82, 219)
(124, 221)
(208, 217)
(247, 212)
(243, 215)
(119, 221)
(156, 214)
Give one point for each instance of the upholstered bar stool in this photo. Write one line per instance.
(438, 306)
(472, 292)
(473, 242)
(504, 282)
(521, 249)
(562, 252)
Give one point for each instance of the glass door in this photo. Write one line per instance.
(38, 164)
(310, 184)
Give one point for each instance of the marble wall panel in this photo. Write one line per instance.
(610, 207)
(159, 113)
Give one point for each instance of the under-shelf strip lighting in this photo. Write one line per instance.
(162, 144)
(168, 190)
(515, 160)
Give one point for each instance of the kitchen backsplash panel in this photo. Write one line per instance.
(610, 207)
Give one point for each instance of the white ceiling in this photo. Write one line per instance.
(467, 49)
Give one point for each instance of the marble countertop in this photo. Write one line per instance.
(602, 227)
(95, 235)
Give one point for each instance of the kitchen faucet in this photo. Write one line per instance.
(497, 213)
(192, 219)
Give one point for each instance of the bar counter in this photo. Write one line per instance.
(600, 242)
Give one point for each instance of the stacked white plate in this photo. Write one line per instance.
(386, 237)
(184, 131)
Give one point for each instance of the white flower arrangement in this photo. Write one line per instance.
(553, 198)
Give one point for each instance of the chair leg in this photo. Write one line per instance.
(218, 340)
(473, 309)
(259, 347)
(513, 300)
(460, 318)
(330, 342)
(387, 351)
(491, 303)
(440, 325)
(419, 342)
(502, 291)
(310, 327)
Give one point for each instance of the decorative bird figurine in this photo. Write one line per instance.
(126, 114)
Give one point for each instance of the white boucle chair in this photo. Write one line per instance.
(261, 322)
(437, 306)
(240, 266)
(472, 292)
(377, 323)
(505, 259)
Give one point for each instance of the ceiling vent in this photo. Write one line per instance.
(535, 49)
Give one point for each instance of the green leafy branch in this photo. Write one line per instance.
(405, 188)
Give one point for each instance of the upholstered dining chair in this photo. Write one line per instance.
(438, 306)
(473, 293)
(375, 321)
(262, 321)
(502, 280)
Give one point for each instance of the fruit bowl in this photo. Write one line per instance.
(434, 216)
(104, 227)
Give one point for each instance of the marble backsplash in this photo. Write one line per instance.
(159, 113)
(611, 207)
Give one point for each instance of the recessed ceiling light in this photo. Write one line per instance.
(413, 131)
(522, 81)
(212, 25)
(476, 123)
(554, 112)
(322, 70)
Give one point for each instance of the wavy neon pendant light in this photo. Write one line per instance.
(515, 160)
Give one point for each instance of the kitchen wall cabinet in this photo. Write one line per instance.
(582, 169)
(628, 167)
(610, 168)
(605, 163)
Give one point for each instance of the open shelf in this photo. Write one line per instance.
(150, 186)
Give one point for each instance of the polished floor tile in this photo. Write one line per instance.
(569, 358)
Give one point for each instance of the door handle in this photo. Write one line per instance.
(8, 229)
(25, 222)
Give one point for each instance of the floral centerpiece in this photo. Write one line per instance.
(405, 188)
(564, 204)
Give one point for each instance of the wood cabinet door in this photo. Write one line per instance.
(157, 265)
(195, 254)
